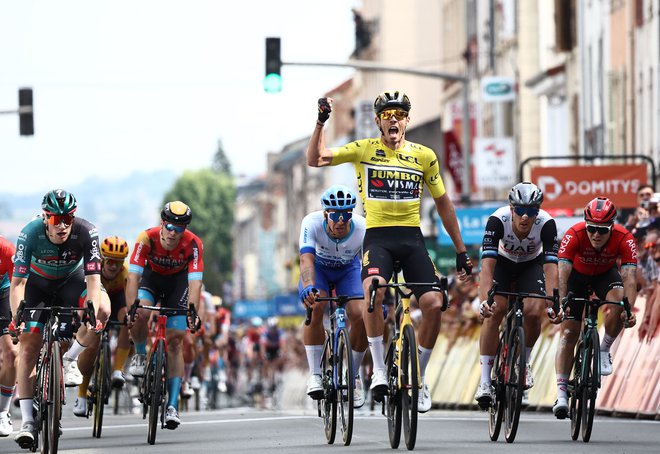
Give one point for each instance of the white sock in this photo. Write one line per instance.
(6, 393)
(486, 362)
(562, 380)
(606, 343)
(357, 361)
(377, 349)
(26, 410)
(424, 357)
(314, 353)
(75, 350)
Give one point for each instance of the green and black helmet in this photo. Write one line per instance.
(59, 202)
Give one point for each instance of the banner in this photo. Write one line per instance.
(574, 186)
(454, 159)
(494, 162)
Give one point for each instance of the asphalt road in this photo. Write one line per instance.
(250, 430)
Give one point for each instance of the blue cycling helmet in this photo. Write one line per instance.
(338, 197)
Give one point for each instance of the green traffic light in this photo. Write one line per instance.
(273, 83)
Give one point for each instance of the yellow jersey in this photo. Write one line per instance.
(391, 181)
(118, 284)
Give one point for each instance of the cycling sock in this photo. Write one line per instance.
(376, 347)
(140, 348)
(173, 387)
(357, 361)
(82, 388)
(424, 356)
(562, 380)
(120, 358)
(6, 392)
(187, 371)
(606, 343)
(26, 410)
(75, 350)
(314, 353)
(486, 362)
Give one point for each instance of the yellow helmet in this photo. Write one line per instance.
(114, 247)
(176, 212)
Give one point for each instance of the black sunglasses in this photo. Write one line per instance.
(602, 229)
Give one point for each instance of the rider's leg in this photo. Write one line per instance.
(488, 338)
(373, 323)
(535, 310)
(28, 354)
(570, 330)
(123, 342)
(176, 328)
(8, 355)
(314, 336)
(431, 305)
(357, 334)
(613, 322)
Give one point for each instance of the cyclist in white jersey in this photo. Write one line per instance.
(519, 247)
(331, 252)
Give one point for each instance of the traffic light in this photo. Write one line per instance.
(273, 80)
(25, 112)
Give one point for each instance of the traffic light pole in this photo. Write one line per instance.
(466, 133)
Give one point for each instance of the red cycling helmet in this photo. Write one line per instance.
(600, 210)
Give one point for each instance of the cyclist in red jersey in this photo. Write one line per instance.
(8, 352)
(167, 267)
(588, 256)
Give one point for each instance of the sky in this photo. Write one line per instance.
(129, 85)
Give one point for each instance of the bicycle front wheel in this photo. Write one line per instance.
(55, 392)
(515, 382)
(393, 397)
(156, 385)
(591, 379)
(497, 406)
(409, 386)
(101, 386)
(345, 385)
(574, 389)
(329, 401)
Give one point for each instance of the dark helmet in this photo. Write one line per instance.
(600, 210)
(525, 194)
(176, 212)
(59, 202)
(392, 99)
(338, 197)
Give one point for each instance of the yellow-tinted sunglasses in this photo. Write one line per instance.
(398, 114)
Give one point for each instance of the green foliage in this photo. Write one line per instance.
(211, 196)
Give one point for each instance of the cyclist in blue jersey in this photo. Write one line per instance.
(7, 348)
(57, 262)
(330, 252)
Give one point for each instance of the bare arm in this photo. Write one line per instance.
(93, 282)
(629, 278)
(131, 290)
(307, 269)
(564, 271)
(195, 293)
(16, 292)
(317, 154)
(448, 215)
(486, 277)
(551, 272)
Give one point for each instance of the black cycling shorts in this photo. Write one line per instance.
(171, 290)
(117, 302)
(525, 277)
(582, 285)
(5, 311)
(383, 245)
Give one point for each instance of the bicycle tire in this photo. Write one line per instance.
(496, 410)
(409, 386)
(55, 385)
(40, 402)
(156, 390)
(574, 389)
(515, 382)
(393, 408)
(102, 364)
(346, 385)
(591, 378)
(329, 401)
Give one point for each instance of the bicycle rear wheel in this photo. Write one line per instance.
(393, 397)
(329, 401)
(515, 382)
(498, 405)
(409, 386)
(156, 385)
(101, 386)
(591, 377)
(41, 401)
(346, 385)
(55, 392)
(574, 389)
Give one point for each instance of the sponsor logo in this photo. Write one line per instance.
(434, 162)
(138, 251)
(377, 183)
(393, 184)
(434, 179)
(373, 270)
(374, 159)
(564, 242)
(22, 236)
(365, 259)
(410, 159)
(380, 153)
(94, 232)
(195, 258)
(93, 266)
(22, 269)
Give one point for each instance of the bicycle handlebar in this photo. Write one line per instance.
(598, 302)
(437, 286)
(554, 298)
(89, 315)
(192, 320)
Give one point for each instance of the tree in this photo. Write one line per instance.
(210, 196)
(220, 162)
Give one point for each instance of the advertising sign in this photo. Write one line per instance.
(497, 89)
(494, 162)
(472, 222)
(574, 186)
